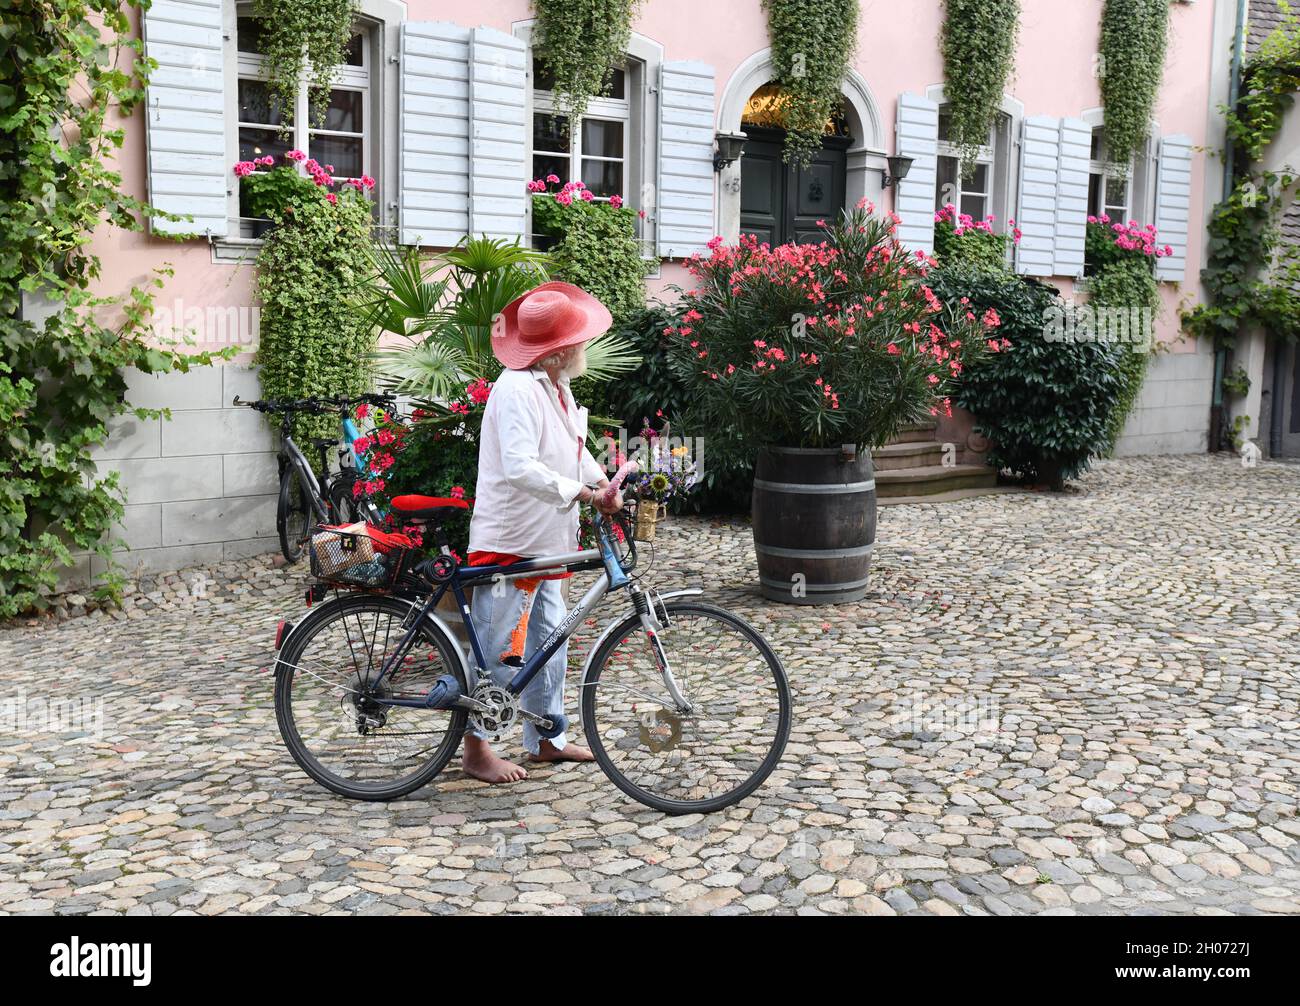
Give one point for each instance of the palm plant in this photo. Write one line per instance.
(445, 307)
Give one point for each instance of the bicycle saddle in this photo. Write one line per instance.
(425, 507)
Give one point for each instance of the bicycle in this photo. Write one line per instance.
(373, 692)
(305, 497)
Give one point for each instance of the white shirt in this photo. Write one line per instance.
(532, 464)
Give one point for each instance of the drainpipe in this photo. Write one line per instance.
(1275, 412)
(1229, 167)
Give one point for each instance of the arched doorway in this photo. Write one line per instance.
(782, 202)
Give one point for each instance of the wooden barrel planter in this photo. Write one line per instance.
(814, 523)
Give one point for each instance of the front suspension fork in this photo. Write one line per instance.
(652, 626)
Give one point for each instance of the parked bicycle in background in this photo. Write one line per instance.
(308, 496)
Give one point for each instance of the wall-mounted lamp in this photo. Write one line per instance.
(730, 146)
(898, 168)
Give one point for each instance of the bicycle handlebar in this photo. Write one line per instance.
(316, 404)
(624, 470)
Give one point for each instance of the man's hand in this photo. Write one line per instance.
(612, 507)
(595, 497)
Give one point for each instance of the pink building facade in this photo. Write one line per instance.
(440, 103)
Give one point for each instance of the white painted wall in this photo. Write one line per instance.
(201, 486)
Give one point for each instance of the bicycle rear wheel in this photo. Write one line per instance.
(326, 699)
(702, 760)
(293, 514)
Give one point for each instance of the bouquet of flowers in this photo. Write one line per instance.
(667, 472)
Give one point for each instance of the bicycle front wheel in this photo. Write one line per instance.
(698, 760)
(329, 698)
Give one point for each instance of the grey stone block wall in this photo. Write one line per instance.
(1172, 415)
(201, 486)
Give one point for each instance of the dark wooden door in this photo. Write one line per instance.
(780, 203)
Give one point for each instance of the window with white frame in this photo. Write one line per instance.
(1110, 185)
(342, 140)
(979, 193)
(600, 150)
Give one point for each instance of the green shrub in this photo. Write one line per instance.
(1046, 405)
(312, 340)
(596, 248)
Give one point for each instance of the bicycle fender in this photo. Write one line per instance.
(596, 644)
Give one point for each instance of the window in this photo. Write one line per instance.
(343, 139)
(978, 194)
(1110, 186)
(598, 152)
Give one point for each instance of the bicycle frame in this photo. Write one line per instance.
(294, 456)
(611, 578)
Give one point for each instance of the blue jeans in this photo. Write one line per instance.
(495, 612)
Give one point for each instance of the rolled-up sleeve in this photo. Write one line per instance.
(519, 430)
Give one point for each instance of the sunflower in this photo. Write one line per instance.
(659, 483)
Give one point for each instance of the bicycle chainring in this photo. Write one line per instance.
(501, 714)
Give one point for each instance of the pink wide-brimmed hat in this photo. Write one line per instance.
(545, 319)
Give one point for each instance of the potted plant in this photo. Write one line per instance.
(812, 354)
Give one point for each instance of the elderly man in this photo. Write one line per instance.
(533, 471)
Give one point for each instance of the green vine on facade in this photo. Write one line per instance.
(303, 40)
(311, 340)
(812, 43)
(979, 47)
(1134, 36)
(579, 43)
(64, 96)
(1251, 278)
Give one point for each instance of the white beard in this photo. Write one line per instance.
(577, 365)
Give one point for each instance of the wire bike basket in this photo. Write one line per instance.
(357, 556)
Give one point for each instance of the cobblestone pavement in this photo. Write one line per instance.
(1080, 704)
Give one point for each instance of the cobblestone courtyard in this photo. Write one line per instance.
(1082, 704)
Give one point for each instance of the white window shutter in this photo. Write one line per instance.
(1173, 205)
(498, 135)
(1072, 196)
(918, 138)
(684, 203)
(1039, 156)
(434, 133)
(185, 117)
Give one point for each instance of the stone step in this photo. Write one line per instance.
(913, 433)
(929, 479)
(909, 454)
(950, 496)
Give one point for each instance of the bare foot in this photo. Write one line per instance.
(547, 751)
(481, 762)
